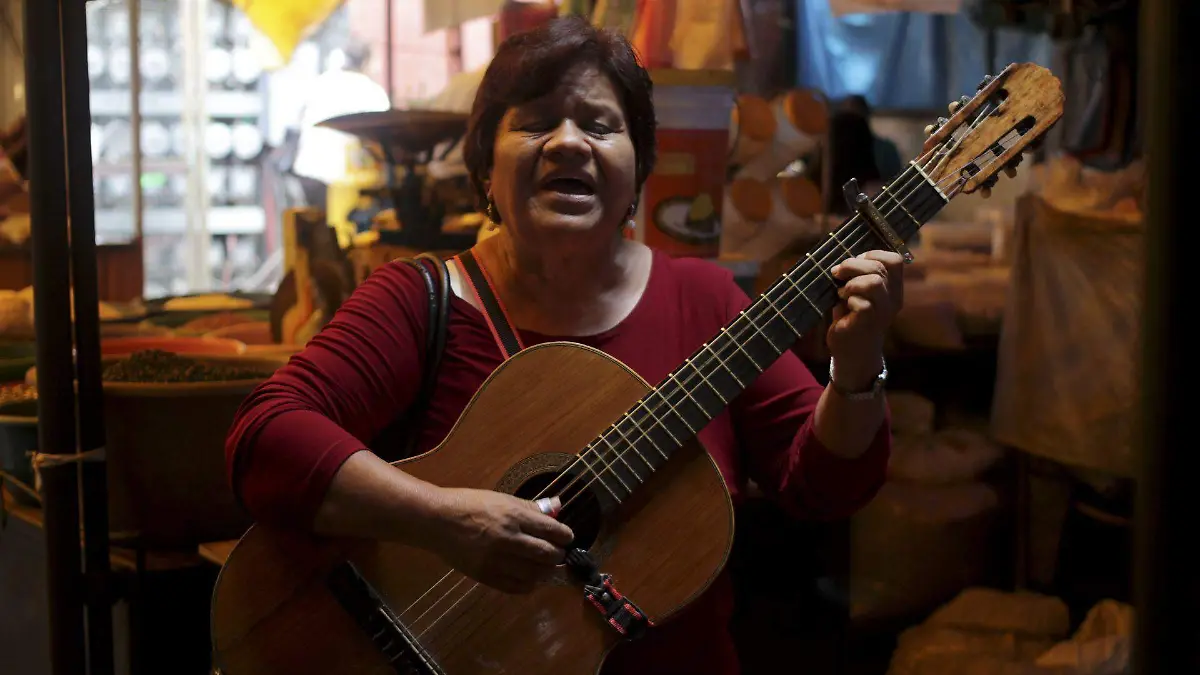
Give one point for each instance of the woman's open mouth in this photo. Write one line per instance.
(573, 187)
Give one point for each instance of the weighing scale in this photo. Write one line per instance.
(408, 139)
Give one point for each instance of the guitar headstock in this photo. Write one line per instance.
(989, 131)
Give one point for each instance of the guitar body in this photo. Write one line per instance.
(273, 612)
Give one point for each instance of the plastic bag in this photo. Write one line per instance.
(1102, 645)
(983, 631)
(286, 22)
(1066, 386)
(994, 610)
(912, 413)
(708, 34)
(916, 546)
(943, 457)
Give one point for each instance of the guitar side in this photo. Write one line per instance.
(273, 613)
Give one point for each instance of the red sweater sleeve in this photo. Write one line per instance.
(773, 419)
(292, 433)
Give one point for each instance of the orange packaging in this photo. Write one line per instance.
(680, 208)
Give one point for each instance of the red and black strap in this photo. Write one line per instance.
(481, 285)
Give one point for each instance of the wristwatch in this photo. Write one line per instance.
(867, 395)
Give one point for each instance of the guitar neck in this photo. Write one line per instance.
(693, 394)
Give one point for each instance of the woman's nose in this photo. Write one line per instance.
(568, 140)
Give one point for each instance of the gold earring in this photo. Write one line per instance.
(492, 212)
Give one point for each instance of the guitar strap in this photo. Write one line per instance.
(476, 276)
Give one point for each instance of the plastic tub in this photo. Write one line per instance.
(166, 456)
(16, 358)
(188, 346)
(19, 437)
(250, 333)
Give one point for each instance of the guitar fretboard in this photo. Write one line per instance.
(685, 401)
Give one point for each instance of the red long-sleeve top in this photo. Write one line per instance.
(364, 369)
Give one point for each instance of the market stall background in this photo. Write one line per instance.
(1009, 471)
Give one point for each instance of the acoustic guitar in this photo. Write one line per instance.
(652, 516)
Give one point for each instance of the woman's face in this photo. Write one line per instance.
(565, 162)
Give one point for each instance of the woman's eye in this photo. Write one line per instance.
(536, 126)
(599, 128)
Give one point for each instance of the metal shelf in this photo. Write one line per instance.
(118, 103)
(221, 220)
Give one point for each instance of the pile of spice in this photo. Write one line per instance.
(154, 365)
(17, 392)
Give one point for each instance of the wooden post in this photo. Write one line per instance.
(1166, 589)
(88, 390)
(52, 322)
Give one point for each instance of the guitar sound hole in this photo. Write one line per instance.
(581, 508)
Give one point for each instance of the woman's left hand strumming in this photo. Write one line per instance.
(872, 294)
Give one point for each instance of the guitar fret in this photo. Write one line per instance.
(783, 316)
(792, 282)
(632, 446)
(659, 422)
(621, 456)
(644, 433)
(597, 476)
(725, 333)
(692, 395)
(849, 253)
(708, 347)
(820, 267)
(677, 414)
(688, 394)
(760, 331)
(704, 377)
(900, 203)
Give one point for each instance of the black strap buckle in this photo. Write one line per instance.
(618, 611)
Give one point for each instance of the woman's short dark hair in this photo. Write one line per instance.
(531, 64)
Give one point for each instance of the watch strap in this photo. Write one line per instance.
(876, 386)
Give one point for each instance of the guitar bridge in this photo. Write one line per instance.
(368, 609)
(618, 611)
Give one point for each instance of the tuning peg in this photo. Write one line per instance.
(1010, 169)
(987, 79)
(985, 188)
(954, 105)
(935, 126)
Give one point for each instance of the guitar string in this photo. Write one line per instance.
(899, 203)
(955, 177)
(953, 181)
(470, 590)
(658, 408)
(960, 181)
(859, 236)
(931, 156)
(983, 113)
